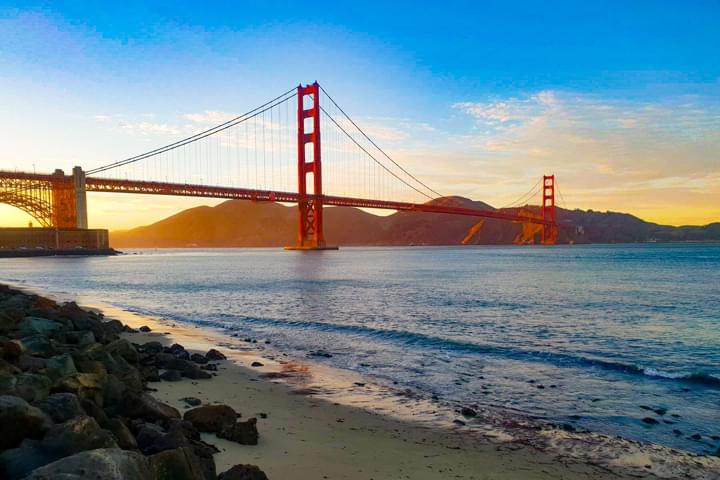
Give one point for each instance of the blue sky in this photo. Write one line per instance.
(620, 99)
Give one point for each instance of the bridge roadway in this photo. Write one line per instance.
(95, 184)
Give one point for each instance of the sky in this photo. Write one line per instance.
(620, 100)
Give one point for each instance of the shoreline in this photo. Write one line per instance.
(277, 382)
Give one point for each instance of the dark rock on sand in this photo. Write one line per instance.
(171, 375)
(319, 353)
(148, 408)
(468, 412)
(211, 418)
(105, 464)
(214, 355)
(192, 401)
(243, 472)
(257, 364)
(199, 359)
(145, 329)
(244, 433)
(181, 464)
(152, 348)
(178, 351)
(19, 420)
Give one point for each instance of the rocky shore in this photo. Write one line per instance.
(75, 401)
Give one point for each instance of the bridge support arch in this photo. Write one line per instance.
(55, 200)
(549, 231)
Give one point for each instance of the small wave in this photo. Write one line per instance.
(420, 340)
(700, 378)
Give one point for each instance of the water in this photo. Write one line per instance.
(584, 335)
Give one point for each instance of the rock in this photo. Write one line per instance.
(214, 355)
(150, 373)
(76, 435)
(93, 410)
(63, 364)
(35, 325)
(105, 464)
(81, 338)
(29, 363)
(244, 433)
(114, 326)
(192, 401)
(210, 367)
(243, 472)
(61, 407)
(11, 349)
(39, 345)
(199, 359)
(32, 387)
(152, 348)
(650, 421)
(187, 368)
(148, 408)
(19, 420)
(257, 364)
(171, 375)
(122, 434)
(85, 385)
(211, 418)
(468, 412)
(677, 432)
(181, 464)
(7, 368)
(145, 329)
(147, 435)
(178, 351)
(124, 349)
(319, 353)
(17, 463)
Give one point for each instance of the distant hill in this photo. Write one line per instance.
(239, 223)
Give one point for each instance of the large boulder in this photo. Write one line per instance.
(35, 326)
(105, 464)
(148, 408)
(62, 364)
(19, 420)
(32, 387)
(181, 464)
(211, 418)
(77, 435)
(87, 386)
(214, 355)
(124, 349)
(243, 472)
(244, 433)
(39, 345)
(123, 436)
(16, 463)
(61, 407)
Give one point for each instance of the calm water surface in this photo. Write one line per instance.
(584, 335)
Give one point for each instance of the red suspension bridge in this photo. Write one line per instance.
(272, 153)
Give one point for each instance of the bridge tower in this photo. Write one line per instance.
(549, 232)
(310, 208)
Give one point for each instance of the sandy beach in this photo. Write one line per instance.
(307, 435)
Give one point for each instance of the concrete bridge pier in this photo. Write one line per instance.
(78, 178)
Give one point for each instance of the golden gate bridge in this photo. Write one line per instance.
(272, 153)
